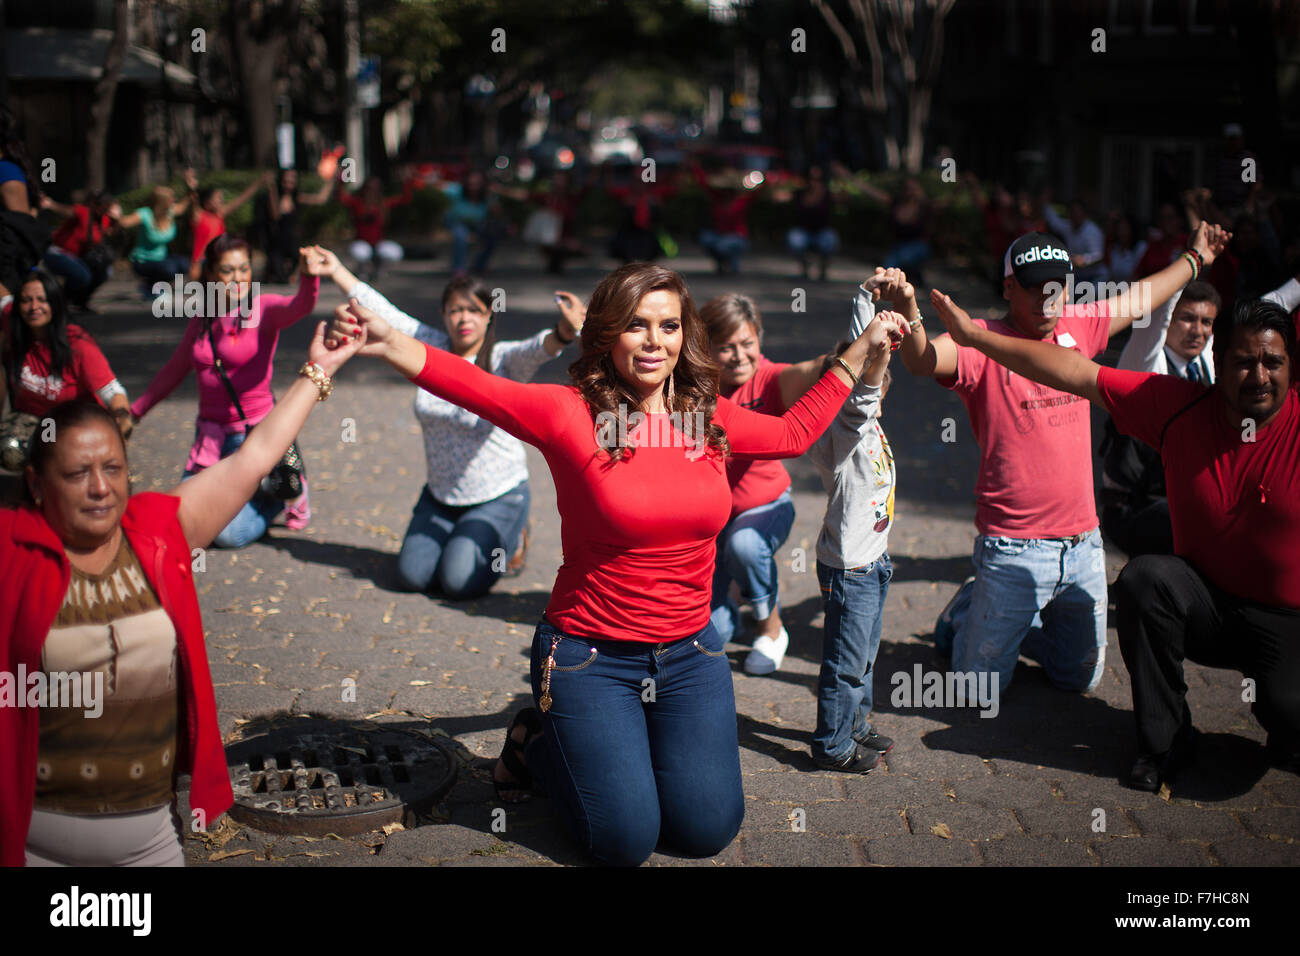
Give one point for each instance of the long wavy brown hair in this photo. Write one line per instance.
(694, 378)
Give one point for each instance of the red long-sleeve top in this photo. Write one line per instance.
(369, 221)
(639, 534)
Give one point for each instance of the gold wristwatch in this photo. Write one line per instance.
(318, 378)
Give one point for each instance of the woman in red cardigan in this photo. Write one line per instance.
(636, 736)
(98, 593)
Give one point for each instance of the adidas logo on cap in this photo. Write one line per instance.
(1041, 253)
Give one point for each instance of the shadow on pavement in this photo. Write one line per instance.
(378, 567)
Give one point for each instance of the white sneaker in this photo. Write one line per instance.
(767, 654)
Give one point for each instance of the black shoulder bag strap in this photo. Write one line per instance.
(225, 379)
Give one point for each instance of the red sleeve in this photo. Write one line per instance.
(1141, 403)
(533, 413)
(280, 311)
(769, 436)
(170, 375)
(89, 365)
(408, 193)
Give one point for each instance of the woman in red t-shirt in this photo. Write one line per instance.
(369, 211)
(636, 738)
(761, 510)
(47, 360)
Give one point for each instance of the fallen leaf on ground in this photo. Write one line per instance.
(227, 854)
(941, 830)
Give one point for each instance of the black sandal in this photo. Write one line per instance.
(511, 755)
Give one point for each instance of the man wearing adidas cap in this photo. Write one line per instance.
(1040, 570)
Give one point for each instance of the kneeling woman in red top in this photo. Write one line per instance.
(45, 360)
(105, 695)
(636, 736)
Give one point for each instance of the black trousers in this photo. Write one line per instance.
(1168, 611)
(1139, 529)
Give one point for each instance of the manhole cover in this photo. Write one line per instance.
(318, 776)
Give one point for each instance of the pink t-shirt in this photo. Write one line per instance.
(1035, 477)
(758, 482)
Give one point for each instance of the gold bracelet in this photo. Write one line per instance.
(318, 378)
(845, 365)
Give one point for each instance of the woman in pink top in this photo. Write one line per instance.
(245, 337)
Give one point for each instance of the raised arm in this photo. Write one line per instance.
(279, 311)
(170, 375)
(58, 208)
(130, 220)
(572, 314)
(1148, 338)
(1044, 362)
(531, 413)
(370, 298)
(214, 496)
(1156, 290)
(921, 354)
(754, 435)
(247, 194)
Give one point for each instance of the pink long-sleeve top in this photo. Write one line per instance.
(639, 535)
(247, 349)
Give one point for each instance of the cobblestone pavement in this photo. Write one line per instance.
(293, 615)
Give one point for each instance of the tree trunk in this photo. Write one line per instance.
(259, 47)
(257, 70)
(101, 107)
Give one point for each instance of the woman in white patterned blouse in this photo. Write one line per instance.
(469, 526)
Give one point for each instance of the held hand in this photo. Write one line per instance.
(191, 179)
(332, 357)
(312, 262)
(351, 322)
(328, 262)
(328, 165)
(573, 313)
(874, 284)
(884, 334)
(1210, 241)
(125, 424)
(897, 290)
(955, 319)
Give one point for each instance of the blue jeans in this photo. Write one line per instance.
(465, 549)
(640, 744)
(747, 553)
(164, 270)
(1041, 597)
(824, 241)
(909, 255)
(254, 518)
(854, 602)
(80, 280)
(725, 247)
(488, 233)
